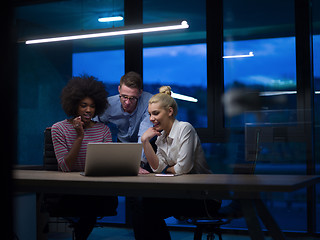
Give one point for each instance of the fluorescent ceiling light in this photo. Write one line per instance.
(110, 19)
(145, 28)
(183, 97)
(240, 56)
(277, 93)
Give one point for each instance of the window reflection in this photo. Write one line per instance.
(271, 71)
(184, 68)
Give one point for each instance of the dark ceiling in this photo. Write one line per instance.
(243, 19)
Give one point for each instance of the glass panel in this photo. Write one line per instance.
(260, 76)
(275, 144)
(44, 69)
(267, 66)
(257, 55)
(66, 16)
(193, 11)
(316, 68)
(178, 59)
(107, 66)
(183, 68)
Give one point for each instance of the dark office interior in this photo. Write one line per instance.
(266, 51)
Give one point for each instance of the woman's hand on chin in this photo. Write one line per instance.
(149, 134)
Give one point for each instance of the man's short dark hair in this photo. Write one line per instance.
(132, 80)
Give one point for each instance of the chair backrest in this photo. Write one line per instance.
(247, 157)
(49, 157)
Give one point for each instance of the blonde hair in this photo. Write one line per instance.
(165, 99)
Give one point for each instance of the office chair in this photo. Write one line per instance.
(49, 158)
(212, 225)
(209, 224)
(51, 203)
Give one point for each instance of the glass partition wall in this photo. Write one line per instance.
(44, 69)
(316, 68)
(178, 59)
(259, 56)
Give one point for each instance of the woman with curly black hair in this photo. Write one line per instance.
(81, 87)
(82, 99)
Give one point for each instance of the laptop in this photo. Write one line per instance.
(113, 159)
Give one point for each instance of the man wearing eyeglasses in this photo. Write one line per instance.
(129, 111)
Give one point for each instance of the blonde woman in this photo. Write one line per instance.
(179, 148)
(179, 151)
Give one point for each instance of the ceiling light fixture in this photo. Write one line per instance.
(110, 19)
(119, 31)
(183, 97)
(240, 56)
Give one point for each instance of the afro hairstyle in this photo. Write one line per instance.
(81, 87)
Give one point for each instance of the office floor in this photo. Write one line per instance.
(108, 233)
(111, 233)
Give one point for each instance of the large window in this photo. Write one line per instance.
(263, 65)
(260, 56)
(44, 70)
(178, 59)
(107, 66)
(182, 67)
(258, 45)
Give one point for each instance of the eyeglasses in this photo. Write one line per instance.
(131, 99)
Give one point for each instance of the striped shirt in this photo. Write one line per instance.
(64, 135)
